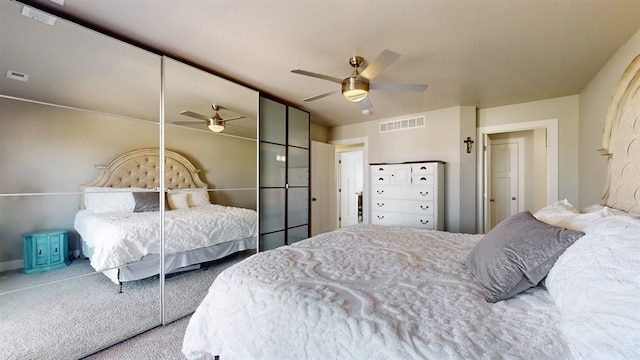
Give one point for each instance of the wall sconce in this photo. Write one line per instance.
(468, 142)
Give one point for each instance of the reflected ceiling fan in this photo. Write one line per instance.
(215, 123)
(356, 87)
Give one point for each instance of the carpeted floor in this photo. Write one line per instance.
(69, 316)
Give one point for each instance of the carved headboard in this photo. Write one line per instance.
(141, 168)
(621, 143)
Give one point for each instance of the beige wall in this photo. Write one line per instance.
(594, 101)
(45, 149)
(440, 139)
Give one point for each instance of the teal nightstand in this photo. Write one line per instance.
(45, 250)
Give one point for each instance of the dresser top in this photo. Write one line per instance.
(409, 162)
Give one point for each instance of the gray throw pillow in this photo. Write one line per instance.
(146, 201)
(517, 254)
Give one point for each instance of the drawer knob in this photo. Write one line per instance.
(423, 179)
(380, 191)
(423, 168)
(424, 193)
(380, 179)
(380, 205)
(380, 169)
(380, 216)
(423, 207)
(424, 222)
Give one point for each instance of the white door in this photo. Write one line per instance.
(504, 198)
(349, 187)
(323, 188)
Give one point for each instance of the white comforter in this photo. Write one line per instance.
(369, 292)
(122, 237)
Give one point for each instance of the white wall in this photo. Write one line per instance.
(440, 139)
(594, 101)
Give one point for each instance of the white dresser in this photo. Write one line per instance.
(408, 194)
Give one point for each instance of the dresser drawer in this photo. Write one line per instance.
(423, 169)
(403, 193)
(397, 219)
(407, 206)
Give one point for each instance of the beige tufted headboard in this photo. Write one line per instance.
(621, 143)
(141, 168)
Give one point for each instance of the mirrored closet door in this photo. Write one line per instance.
(212, 123)
(71, 101)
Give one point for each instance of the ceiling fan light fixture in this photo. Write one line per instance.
(354, 89)
(215, 125)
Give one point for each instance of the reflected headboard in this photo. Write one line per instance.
(141, 168)
(621, 143)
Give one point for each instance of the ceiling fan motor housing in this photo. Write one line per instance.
(355, 89)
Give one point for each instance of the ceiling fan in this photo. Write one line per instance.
(356, 87)
(215, 123)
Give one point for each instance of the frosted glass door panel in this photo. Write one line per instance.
(273, 121)
(298, 167)
(272, 241)
(298, 128)
(298, 207)
(297, 234)
(272, 210)
(272, 165)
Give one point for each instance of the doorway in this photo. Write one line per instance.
(541, 166)
(350, 187)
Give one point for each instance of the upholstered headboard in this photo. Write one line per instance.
(621, 143)
(141, 168)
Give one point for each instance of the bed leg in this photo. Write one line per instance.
(120, 290)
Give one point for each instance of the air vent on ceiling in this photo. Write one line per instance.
(402, 124)
(17, 75)
(38, 15)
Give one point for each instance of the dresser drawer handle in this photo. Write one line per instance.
(423, 179)
(380, 205)
(424, 207)
(380, 179)
(40, 252)
(424, 222)
(423, 168)
(424, 193)
(380, 169)
(55, 250)
(380, 217)
(380, 191)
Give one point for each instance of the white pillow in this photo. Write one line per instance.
(596, 286)
(556, 213)
(195, 197)
(177, 200)
(107, 199)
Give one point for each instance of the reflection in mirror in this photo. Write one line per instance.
(227, 165)
(88, 98)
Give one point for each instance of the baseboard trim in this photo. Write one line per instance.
(11, 265)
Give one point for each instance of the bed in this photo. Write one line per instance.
(119, 222)
(560, 283)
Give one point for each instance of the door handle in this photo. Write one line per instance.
(313, 199)
(513, 198)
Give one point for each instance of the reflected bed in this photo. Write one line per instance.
(120, 223)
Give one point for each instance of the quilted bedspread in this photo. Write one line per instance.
(369, 292)
(122, 237)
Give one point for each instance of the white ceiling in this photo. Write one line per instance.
(470, 52)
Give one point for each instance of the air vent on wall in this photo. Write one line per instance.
(402, 124)
(38, 16)
(17, 76)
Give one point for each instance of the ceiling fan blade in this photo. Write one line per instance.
(187, 122)
(320, 96)
(365, 105)
(233, 118)
(316, 75)
(194, 115)
(381, 62)
(398, 87)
